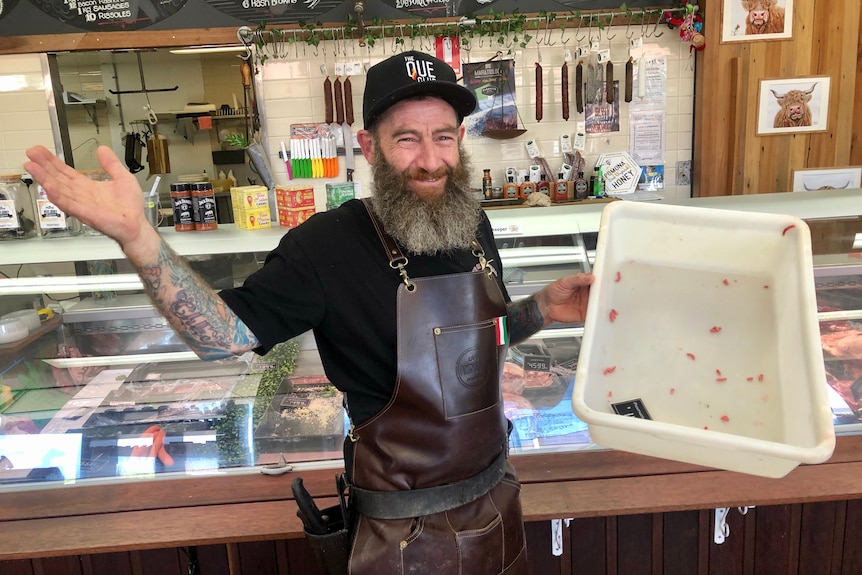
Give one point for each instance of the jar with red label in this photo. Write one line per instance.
(204, 206)
(184, 212)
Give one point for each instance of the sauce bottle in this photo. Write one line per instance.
(562, 189)
(510, 189)
(487, 190)
(527, 187)
(582, 189)
(204, 206)
(181, 201)
(543, 186)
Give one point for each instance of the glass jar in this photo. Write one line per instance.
(53, 222)
(16, 209)
(99, 176)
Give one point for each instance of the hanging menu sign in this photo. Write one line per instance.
(109, 15)
(438, 8)
(275, 12)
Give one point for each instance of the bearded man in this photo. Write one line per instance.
(404, 296)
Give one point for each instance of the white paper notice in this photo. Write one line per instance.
(656, 84)
(646, 136)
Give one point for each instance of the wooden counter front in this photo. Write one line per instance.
(229, 508)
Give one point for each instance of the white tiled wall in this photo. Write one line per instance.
(293, 93)
(24, 117)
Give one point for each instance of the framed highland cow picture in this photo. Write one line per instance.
(792, 105)
(752, 20)
(810, 179)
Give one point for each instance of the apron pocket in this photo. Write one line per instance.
(480, 551)
(468, 365)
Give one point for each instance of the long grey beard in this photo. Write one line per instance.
(426, 228)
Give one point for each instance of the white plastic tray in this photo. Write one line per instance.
(709, 318)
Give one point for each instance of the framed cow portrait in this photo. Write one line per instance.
(793, 105)
(808, 180)
(752, 20)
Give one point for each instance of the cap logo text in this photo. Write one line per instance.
(420, 70)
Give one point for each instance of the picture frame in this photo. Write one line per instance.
(793, 105)
(843, 178)
(770, 20)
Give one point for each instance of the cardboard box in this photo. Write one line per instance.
(249, 198)
(257, 219)
(292, 217)
(295, 197)
(337, 194)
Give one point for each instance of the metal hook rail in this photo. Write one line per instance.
(414, 29)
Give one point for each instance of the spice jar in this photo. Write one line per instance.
(204, 206)
(16, 218)
(181, 200)
(53, 222)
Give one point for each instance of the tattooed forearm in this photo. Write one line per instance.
(525, 319)
(193, 309)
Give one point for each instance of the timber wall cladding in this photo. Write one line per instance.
(729, 158)
(801, 539)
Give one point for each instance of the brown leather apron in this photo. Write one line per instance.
(444, 424)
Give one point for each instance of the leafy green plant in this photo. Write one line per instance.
(238, 141)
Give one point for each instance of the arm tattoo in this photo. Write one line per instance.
(525, 319)
(193, 309)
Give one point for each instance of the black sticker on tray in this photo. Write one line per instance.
(275, 12)
(438, 8)
(6, 7)
(109, 15)
(632, 408)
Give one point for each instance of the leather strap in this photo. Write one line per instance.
(429, 500)
(392, 249)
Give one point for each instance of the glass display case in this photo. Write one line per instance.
(101, 387)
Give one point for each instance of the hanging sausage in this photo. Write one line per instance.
(564, 81)
(629, 71)
(327, 100)
(609, 82)
(339, 101)
(579, 86)
(348, 101)
(539, 95)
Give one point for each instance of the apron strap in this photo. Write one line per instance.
(393, 252)
(428, 500)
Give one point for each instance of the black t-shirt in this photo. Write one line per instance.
(331, 275)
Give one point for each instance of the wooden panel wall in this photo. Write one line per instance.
(729, 158)
(802, 539)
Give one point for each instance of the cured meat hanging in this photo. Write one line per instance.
(564, 81)
(327, 100)
(609, 82)
(629, 75)
(339, 101)
(579, 87)
(539, 94)
(348, 101)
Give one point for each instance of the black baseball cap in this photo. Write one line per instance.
(410, 74)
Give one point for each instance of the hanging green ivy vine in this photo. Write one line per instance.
(503, 30)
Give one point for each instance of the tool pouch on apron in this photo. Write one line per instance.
(333, 549)
(330, 536)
